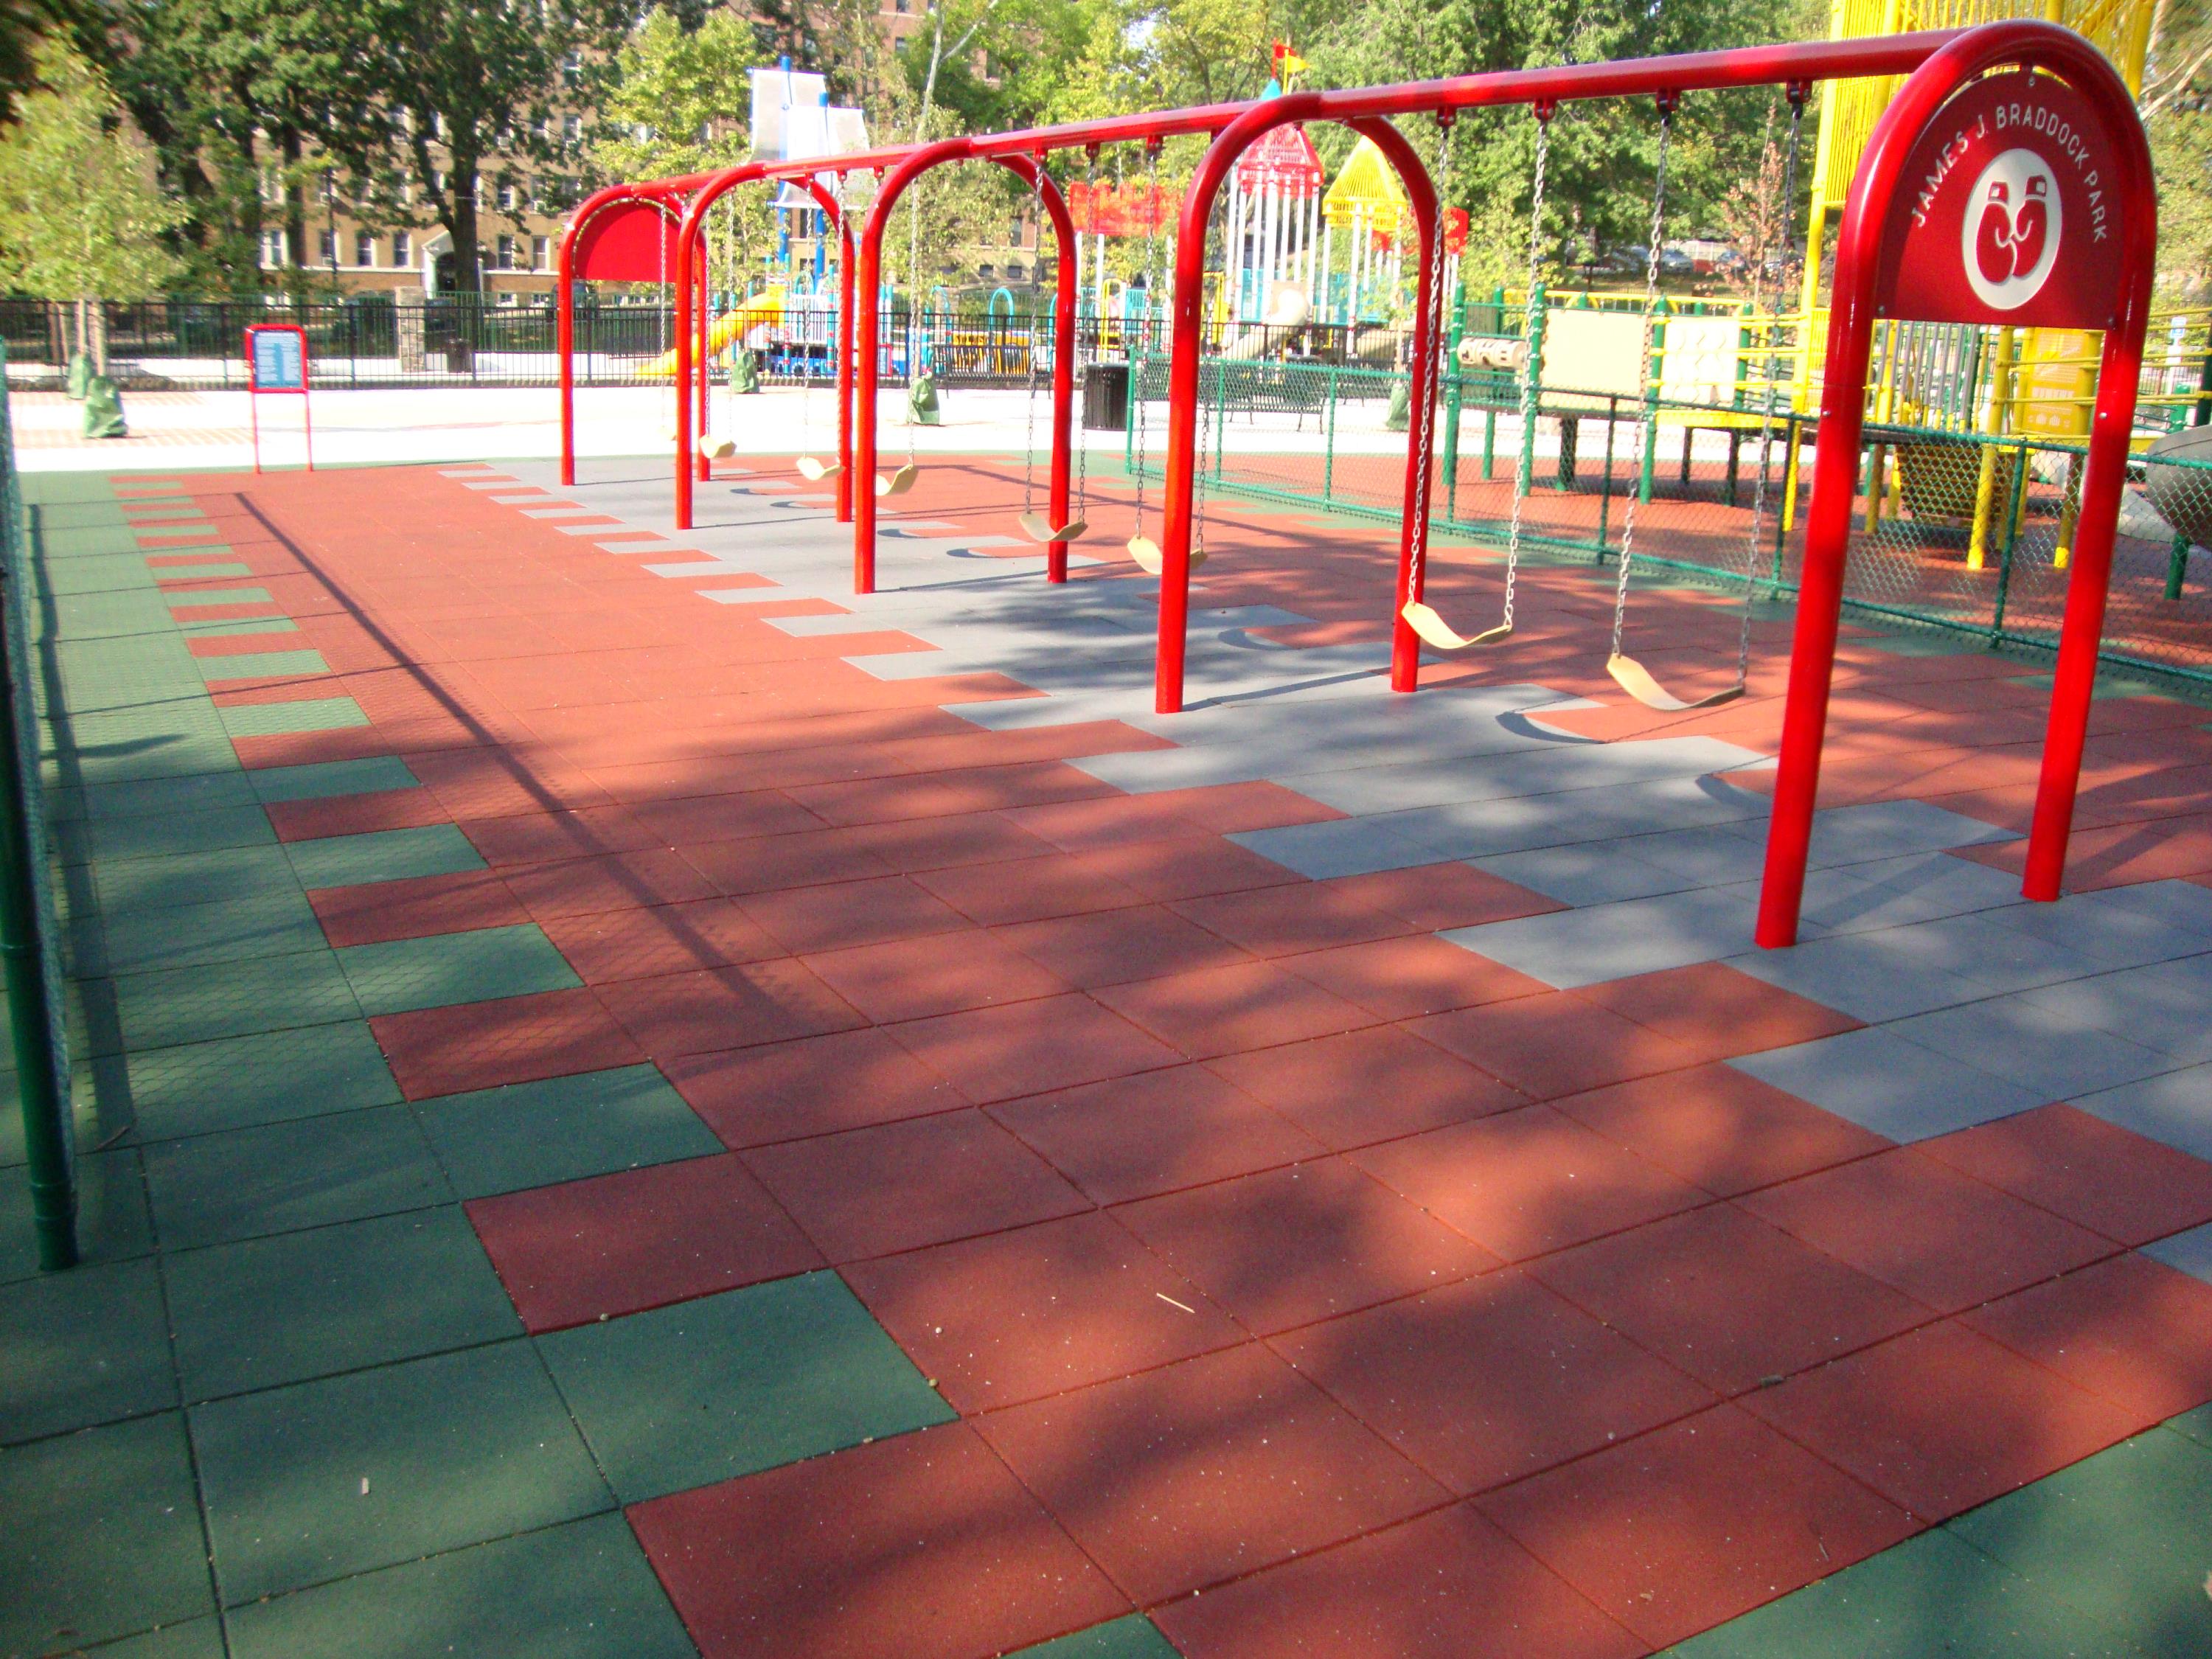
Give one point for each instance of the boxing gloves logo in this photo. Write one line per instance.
(2013, 224)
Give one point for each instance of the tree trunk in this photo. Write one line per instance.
(295, 215)
(461, 193)
(98, 313)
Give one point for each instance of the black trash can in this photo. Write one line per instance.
(1106, 397)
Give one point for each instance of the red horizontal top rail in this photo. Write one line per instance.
(1693, 71)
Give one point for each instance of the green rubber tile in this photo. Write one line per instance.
(726, 1385)
(323, 1479)
(277, 719)
(299, 1305)
(112, 1224)
(443, 969)
(229, 999)
(197, 569)
(128, 748)
(106, 572)
(262, 665)
(96, 616)
(323, 779)
(1933, 1594)
(1134, 1637)
(176, 831)
(582, 1590)
(85, 1346)
(2195, 1425)
(212, 792)
(217, 875)
(188, 935)
(283, 1176)
(238, 1083)
(221, 626)
(563, 1128)
(103, 1536)
(434, 849)
(220, 596)
(2122, 1535)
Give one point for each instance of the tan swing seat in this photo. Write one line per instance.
(1038, 528)
(815, 471)
(896, 483)
(1145, 554)
(1633, 677)
(1439, 634)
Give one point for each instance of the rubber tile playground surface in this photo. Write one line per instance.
(633, 1104)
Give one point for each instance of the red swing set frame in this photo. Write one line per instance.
(1937, 65)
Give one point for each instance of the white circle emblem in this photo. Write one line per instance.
(2009, 241)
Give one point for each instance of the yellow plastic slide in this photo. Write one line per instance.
(760, 308)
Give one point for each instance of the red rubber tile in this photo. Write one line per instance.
(1728, 1298)
(1524, 1183)
(703, 819)
(1111, 947)
(1027, 1047)
(1226, 1011)
(1554, 1045)
(2130, 1330)
(1944, 1240)
(817, 1085)
(770, 864)
(1447, 1585)
(1018, 1315)
(898, 1186)
(550, 837)
(1286, 1247)
(2111, 1180)
(621, 881)
(731, 1007)
(1405, 978)
(1027, 890)
(1941, 1420)
(376, 911)
(942, 974)
(1281, 922)
(1696, 1522)
(481, 1045)
(849, 913)
(1161, 871)
(636, 1239)
(922, 1545)
(1157, 1132)
(1205, 1470)
(1716, 1011)
(605, 946)
(1490, 1380)
(1720, 1128)
(354, 815)
(1231, 809)
(944, 843)
(476, 783)
(1106, 821)
(1365, 1086)
(1432, 898)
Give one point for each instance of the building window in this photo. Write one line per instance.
(272, 247)
(327, 247)
(402, 249)
(506, 199)
(902, 6)
(506, 254)
(572, 128)
(1014, 271)
(899, 44)
(541, 254)
(364, 248)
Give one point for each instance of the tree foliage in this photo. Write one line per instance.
(80, 216)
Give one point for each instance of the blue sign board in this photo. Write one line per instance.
(279, 361)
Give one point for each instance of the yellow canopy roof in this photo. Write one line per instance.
(1367, 181)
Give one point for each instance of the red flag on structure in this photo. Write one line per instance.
(1124, 209)
(1284, 158)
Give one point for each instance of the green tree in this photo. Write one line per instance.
(25, 26)
(80, 217)
(678, 100)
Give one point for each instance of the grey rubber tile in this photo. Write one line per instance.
(2162, 1006)
(1882, 1082)
(2176, 1108)
(1599, 872)
(1567, 949)
(2190, 1252)
(2113, 934)
(2019, 1038)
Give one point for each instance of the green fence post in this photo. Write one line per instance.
(1605, 478)
(1490, 399)
(1329, 450)
(38, 1068)
(1220, 413)
(1531, 393)
(1660, 312)
(2004, 553)
(1454, 397)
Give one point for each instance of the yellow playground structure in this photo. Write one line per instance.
(733, 325)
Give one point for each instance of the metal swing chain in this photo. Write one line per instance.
(1530, 394)
(1028, 441)
(1082, 447)
(1433, 315)
(1205, 426)
(1647, 415)
(1797, 93)
(913, 312)
(1139, 363)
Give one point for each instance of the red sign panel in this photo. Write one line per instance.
(2007, 211)
(628, 242)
